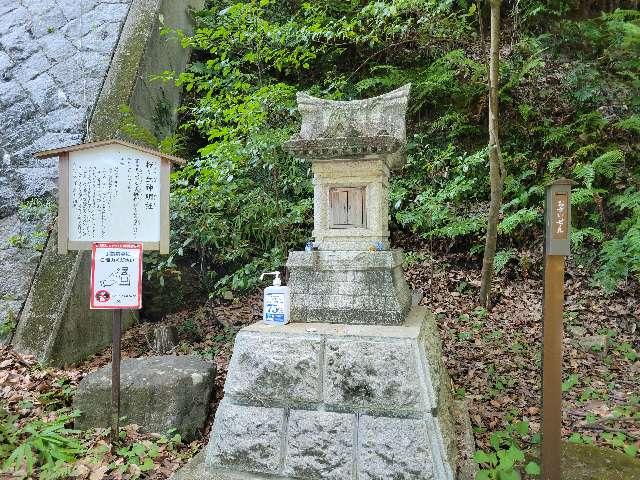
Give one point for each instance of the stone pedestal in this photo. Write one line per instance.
(321, 401)
(354, 388)
(348, 287)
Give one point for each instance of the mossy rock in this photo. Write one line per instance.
(588, 462)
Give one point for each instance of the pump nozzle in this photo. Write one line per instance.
(276, 281)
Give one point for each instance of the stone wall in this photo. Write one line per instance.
(67, 66)
(54, 56)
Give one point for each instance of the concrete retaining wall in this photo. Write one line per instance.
(88, 63)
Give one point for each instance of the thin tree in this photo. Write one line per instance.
(497, 172)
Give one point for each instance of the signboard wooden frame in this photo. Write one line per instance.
(64, 175)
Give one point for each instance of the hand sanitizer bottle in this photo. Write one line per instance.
(276, 302)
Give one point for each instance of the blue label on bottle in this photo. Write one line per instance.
(274, 307)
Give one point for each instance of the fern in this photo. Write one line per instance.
(621, 258)
(502, 259)
(580, 235)
(628, 200)
(558, 136)
(586, 150)
(607, 164)
(586, 172)
(630, 124)
(532, 64)
(584, 196)
(392, 78)
(519, 219)
(554, 164)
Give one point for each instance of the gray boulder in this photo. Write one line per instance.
(158, 393)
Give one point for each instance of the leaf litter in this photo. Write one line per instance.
(493, 358)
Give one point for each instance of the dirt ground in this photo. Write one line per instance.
(493, 357)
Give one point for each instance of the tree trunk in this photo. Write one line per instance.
(497, 171)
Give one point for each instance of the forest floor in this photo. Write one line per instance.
(493, 357)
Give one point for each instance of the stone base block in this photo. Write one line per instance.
(327, 401)
(158, 393)
(349, 287)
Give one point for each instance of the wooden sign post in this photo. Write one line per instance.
(113, 199)
(556, 247)
(116, 285)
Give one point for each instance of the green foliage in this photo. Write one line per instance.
(580, 439)
(36, 217)
(506, 456)
(37, 209)
(17, 240)
(502, 258)
(9, 325)
(140, 454)
(571, 381)
(39, 443)
(630, 124)
(133, 130)
(244, 202)
(569, 107)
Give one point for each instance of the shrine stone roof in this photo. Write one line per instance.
(348, 130)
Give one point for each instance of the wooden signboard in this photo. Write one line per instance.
(556, 247)
(113, 199)
(112, 191)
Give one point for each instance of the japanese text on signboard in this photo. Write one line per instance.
(114, 194)
(560, 216)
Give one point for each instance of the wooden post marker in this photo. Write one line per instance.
(113, 199)
(556, 247)
(116, 285)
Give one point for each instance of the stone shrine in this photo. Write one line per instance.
(353, 277)
(355, 386)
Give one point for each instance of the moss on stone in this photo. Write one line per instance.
(123, 73)
(588, 462)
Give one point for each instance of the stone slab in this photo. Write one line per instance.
(158, 393)
(410, 329)
(371, 375)
(320, 445)
(246, 438)
(277, 370)
(394, 448)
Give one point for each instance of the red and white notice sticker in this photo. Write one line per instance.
(116, 275)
